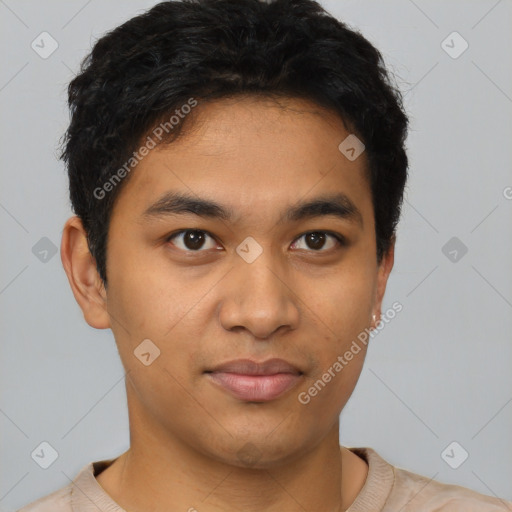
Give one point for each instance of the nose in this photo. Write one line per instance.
(259, 298)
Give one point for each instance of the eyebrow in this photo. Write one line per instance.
(176, 203)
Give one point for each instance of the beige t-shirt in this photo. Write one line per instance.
(386, 489)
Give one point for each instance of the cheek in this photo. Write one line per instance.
(340, 313)
(146, 294)
(328, 387)
(150, 300)
(343, 305)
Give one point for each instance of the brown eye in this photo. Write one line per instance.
(191, 240)
(316, 241)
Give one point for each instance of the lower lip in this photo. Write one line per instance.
(255, 388)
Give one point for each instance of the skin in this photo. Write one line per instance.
(296, 301)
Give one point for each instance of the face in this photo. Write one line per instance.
(256, 276)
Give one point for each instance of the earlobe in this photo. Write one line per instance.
(83, 277)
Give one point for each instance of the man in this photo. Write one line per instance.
(237, 171)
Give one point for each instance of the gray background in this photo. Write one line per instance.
(439, 372)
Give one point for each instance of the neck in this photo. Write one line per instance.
(162, 473)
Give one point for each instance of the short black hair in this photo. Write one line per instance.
(144, 72)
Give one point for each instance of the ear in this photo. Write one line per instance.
(83, 277)
(384, 270)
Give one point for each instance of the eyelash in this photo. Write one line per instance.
(342, 242)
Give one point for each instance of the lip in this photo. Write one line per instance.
(250, 367)
(249, 380)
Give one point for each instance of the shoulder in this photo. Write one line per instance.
(416, 492)
(58, 501)
(83, 493)
(390, 488)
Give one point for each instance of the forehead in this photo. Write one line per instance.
(254, 156)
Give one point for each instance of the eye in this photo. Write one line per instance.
(316, 240)
(191, 239)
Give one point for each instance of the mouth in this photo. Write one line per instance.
(250, 381)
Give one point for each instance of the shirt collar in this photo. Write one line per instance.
(87, 495)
